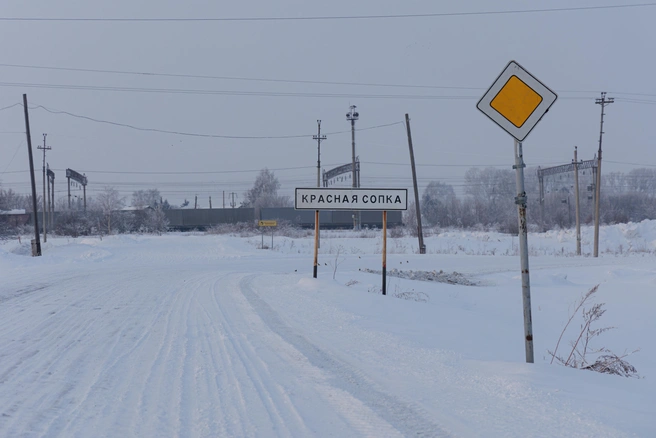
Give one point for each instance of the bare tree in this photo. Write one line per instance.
(264, 192)
(146, 198)
(439, 204)
(109, 201)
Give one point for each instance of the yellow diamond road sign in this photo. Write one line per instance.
(516, 101)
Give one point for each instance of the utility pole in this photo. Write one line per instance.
(318, 138)
(603, 102)
(45, 208)
(352, 116)
(36, 248)
(210, 202)
(224, 199)
(53, 190)
(578, 204)
(233, 204)
(195, 202)
(420, 233)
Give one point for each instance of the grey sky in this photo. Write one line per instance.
(578, 54)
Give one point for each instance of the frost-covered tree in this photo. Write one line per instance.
(439, 205)
(108, 202)
(151, 220)
(264, 192)
(146, 198)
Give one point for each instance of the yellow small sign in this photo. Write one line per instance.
(516, 101)
(268, 223)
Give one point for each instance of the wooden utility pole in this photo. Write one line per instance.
(49, 206)
(195, 202)
(578, 205)
(36, 250)
(603, 102)
(420, 233)
(384, 252)
(210, 202)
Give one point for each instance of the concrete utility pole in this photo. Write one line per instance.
(352, 116)
(318, 138)
(420, 233)
(44, 148)
(603, 102)
(578, 203)
(36, 248)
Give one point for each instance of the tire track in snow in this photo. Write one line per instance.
(407, 419)
(281, 412)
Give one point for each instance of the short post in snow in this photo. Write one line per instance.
(384, 252)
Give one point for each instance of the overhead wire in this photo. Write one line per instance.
(327, 17)
(273, 80)
(192, 134)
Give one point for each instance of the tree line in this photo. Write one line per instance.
(489, 200)
(488, 203)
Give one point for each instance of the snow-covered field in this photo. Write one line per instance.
(211, 336)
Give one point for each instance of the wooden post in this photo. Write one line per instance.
(316, 242)
(385, 252)
(420, 232)
(36, 248)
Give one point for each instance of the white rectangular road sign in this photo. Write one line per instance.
(351, 199)
(516, 101)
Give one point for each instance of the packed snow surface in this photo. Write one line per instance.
(211, 336)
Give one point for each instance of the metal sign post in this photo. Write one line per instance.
(520, 200)
(267, 223)
(516, 102)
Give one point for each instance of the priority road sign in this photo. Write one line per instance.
(516, 101)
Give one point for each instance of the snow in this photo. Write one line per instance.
(204, 335)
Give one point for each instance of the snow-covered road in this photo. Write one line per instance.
(204, 336)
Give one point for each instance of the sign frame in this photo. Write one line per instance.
(357, 199)
(514, 70)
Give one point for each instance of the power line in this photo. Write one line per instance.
(237, 78)
(11, 106)
(231, 92)
(291, 81)
(320, 18)
(192, 134)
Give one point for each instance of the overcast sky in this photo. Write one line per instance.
(577, 53)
